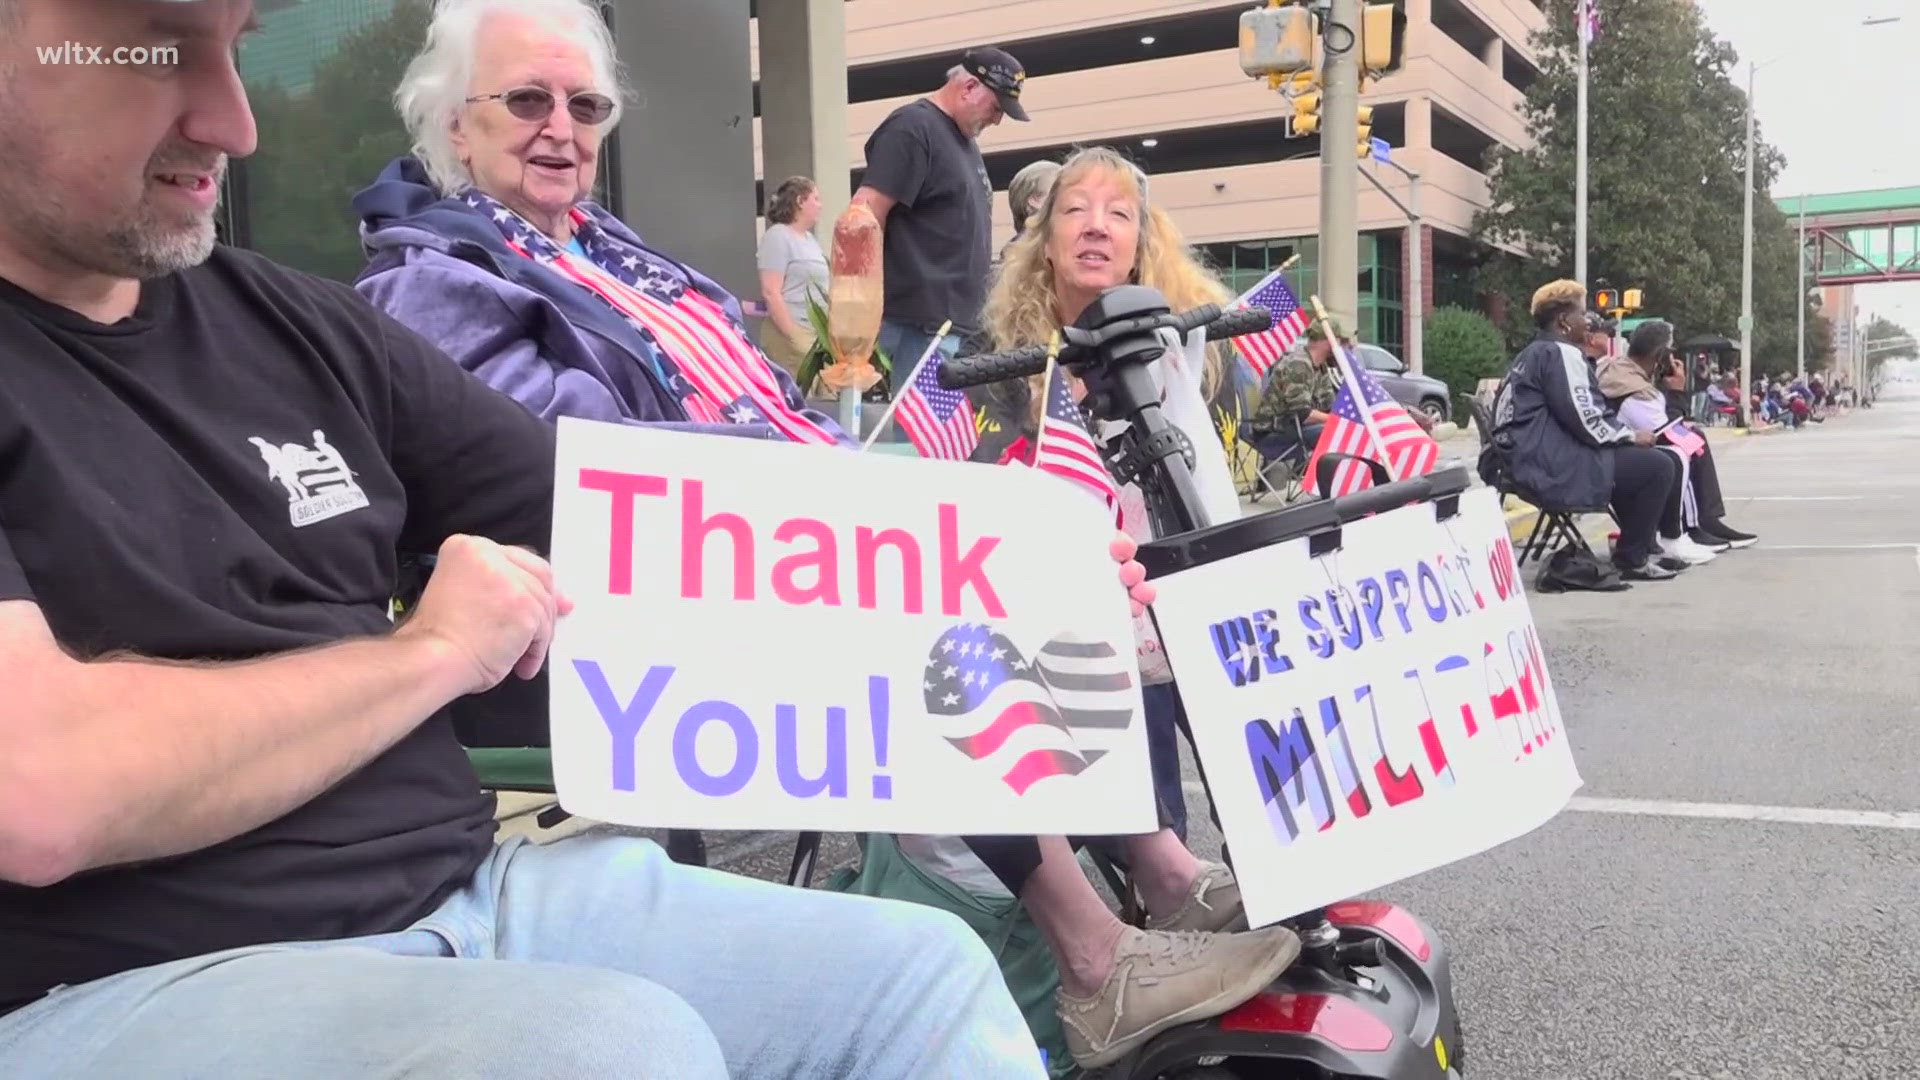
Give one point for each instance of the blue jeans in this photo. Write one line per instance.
(904, 342)
(594, 956)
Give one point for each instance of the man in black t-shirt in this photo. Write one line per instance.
(237, 835)
(927, 185)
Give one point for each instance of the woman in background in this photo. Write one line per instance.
(792, 270)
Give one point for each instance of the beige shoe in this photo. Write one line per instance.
(1213, 905)
(1162, 978)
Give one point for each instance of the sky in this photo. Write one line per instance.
(1833, 96)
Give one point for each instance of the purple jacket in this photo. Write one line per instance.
(442, 269)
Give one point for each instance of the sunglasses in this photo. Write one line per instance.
(534, 104)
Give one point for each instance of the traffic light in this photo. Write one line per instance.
(1383, 39)
(1277, 41)
(1306, 113)
(1366, 132)
(1631, 300)
(1606, 299)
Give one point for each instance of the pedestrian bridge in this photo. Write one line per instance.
(1854, 237)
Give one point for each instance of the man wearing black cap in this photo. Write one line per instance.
(928, 186)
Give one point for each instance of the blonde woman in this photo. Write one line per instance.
(1095, 229)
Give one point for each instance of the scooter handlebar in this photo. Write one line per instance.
(965, 371)
(1239, 322)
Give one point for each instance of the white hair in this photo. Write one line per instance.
(437, 82)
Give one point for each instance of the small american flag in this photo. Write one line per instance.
(1066, 450)
(938, 421)
(1684, 439)
(1268, 347)
(1027, 720)
(1403, 448)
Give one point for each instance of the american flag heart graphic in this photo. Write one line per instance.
(1053, 715)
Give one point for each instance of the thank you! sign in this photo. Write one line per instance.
(770, 636)
(1370, 713)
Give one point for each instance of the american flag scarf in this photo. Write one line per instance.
(716, 371)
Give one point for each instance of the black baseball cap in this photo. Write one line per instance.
(1000, 73)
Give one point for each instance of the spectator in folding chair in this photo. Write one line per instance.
(1690, 528)
(1564, 451)
(1292, 411)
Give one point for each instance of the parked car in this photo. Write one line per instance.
(1413, 391)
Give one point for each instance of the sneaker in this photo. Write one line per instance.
(1213, 906)
(1684, 549)
(1709, 541)
(1163, 978)
(1647, 571)
(1729, 535)
(1668, 562)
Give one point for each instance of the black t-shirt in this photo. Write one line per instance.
(940, 237)
(229, 473)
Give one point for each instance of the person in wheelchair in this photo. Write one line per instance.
(237, 834)
(1121, 985)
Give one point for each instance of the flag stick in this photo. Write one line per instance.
(1046, 387)
(932, 347)
(1347, 376)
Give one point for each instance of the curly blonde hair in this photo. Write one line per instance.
(1020, 311)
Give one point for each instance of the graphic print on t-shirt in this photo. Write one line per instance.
(318, 482)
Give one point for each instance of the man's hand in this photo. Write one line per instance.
(1421, 418)
(494, 607)
(1643, 438)
(1132, 574)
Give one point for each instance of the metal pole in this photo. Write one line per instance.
(1580, 160)
(1746, 273)
(1416, 281)
(1800, 351)
(1416, 272)
(1339, 160)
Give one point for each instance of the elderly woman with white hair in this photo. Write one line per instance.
(485, 241)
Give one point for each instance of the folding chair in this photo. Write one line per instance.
(1290, 466)
(1550, 525)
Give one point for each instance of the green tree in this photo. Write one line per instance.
(1462, 347)
(1887, 340)
(1666, 152)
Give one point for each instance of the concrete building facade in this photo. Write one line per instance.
(1160, 79)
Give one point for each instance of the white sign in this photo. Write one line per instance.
(1371, 713)
(769, 636)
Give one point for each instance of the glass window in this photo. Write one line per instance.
(321, 76)
(1377, 359)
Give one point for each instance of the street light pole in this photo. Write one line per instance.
(1415, 300)
(1800, 256)
(1746, 271)
(1580, 156)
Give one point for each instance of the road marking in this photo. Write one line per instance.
(1792, 815)
(1837, 547)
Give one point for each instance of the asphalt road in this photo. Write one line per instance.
(1632, 939)
(1626, 945)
